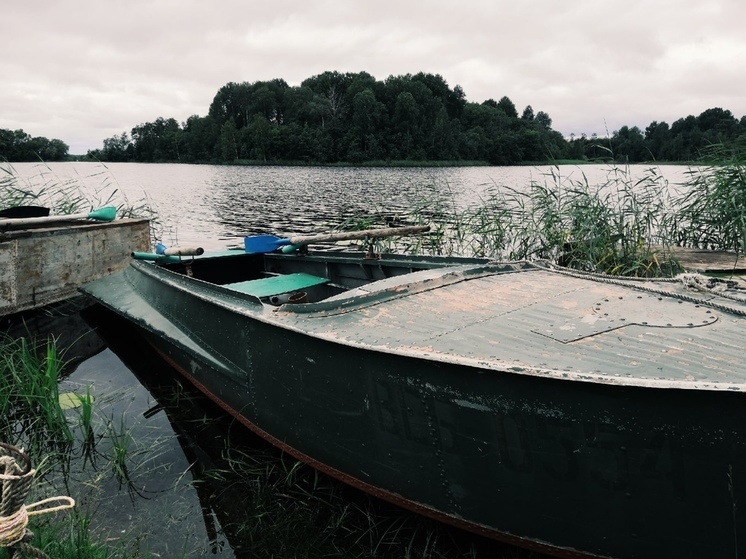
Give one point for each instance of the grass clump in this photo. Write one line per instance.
(612, 228)
(35, 419)
(29, 395)
(66, 540)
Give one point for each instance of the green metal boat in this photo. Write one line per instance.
(574, 414)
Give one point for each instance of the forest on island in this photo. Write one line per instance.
(356, 119)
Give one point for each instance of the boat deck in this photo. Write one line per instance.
(524, 318)
(540, 322)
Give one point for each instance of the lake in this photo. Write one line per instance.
(191, 483)
(215, 206)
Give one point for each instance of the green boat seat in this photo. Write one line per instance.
(276, 285)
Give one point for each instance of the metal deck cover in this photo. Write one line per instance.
(611, 313)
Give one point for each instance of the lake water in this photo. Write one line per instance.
(191, 483)
(215, 206)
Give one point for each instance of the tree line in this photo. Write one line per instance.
(16, 145)
(354, 118)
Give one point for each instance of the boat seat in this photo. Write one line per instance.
(276, 285)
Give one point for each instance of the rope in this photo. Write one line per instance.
(15, 478)
(689, 281)
(13, 527)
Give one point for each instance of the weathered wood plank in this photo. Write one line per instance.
(41, 266)
(708, 261)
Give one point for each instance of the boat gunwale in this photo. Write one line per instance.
(235, 302)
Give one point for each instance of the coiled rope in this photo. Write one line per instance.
(16, 475)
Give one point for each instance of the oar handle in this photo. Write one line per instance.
(183, 251)
(153, 257)
(107, 213)
(363, 234)
(172, 254)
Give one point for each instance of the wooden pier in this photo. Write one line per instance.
(709, 261)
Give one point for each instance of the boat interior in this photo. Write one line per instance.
(303, 277)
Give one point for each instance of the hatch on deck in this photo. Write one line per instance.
(608, 314)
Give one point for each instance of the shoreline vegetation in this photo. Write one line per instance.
(616, 228)
(354, 118)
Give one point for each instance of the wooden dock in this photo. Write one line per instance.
(709, 261)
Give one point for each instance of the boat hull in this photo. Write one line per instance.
(571, 468)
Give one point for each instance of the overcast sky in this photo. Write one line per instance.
(83, 70)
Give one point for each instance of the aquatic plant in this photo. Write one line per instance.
(120, 439)
(613, 228)
(73, 539)
(29, 395)
(712, 202)
(617, 227)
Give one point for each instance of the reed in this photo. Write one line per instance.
(120, 439)
(72, 195)
(85, 416)
(29, 396)
(712, 203)
(618, 227)
(615, 227)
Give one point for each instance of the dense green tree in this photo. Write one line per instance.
(258, 137)
(544, 120)
(229, 150)
(335, 116)
(17, 145)
(362, 142)
(685, 139)
(157, 141)
(117, 148)
(444, 137)
(231, 102)
(628, 144)
(657, 140)
(508, 107)
(200, 139)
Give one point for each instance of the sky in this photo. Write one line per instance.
(82, 71)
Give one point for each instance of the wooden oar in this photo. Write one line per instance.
(270, 243)
(164, 254)
(107, 213)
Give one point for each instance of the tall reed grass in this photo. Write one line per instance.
(624, 225)
(29, 395)
(712, 205)
(71, 195)
(617, 227)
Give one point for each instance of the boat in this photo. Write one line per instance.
(569, 413)
(44, 259)
(251, 494)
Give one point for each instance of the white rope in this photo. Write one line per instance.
(15, 482)
(13, 527)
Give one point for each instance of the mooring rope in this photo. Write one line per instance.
(16, 475)
(699, 282)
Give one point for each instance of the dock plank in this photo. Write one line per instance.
(708, 261)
